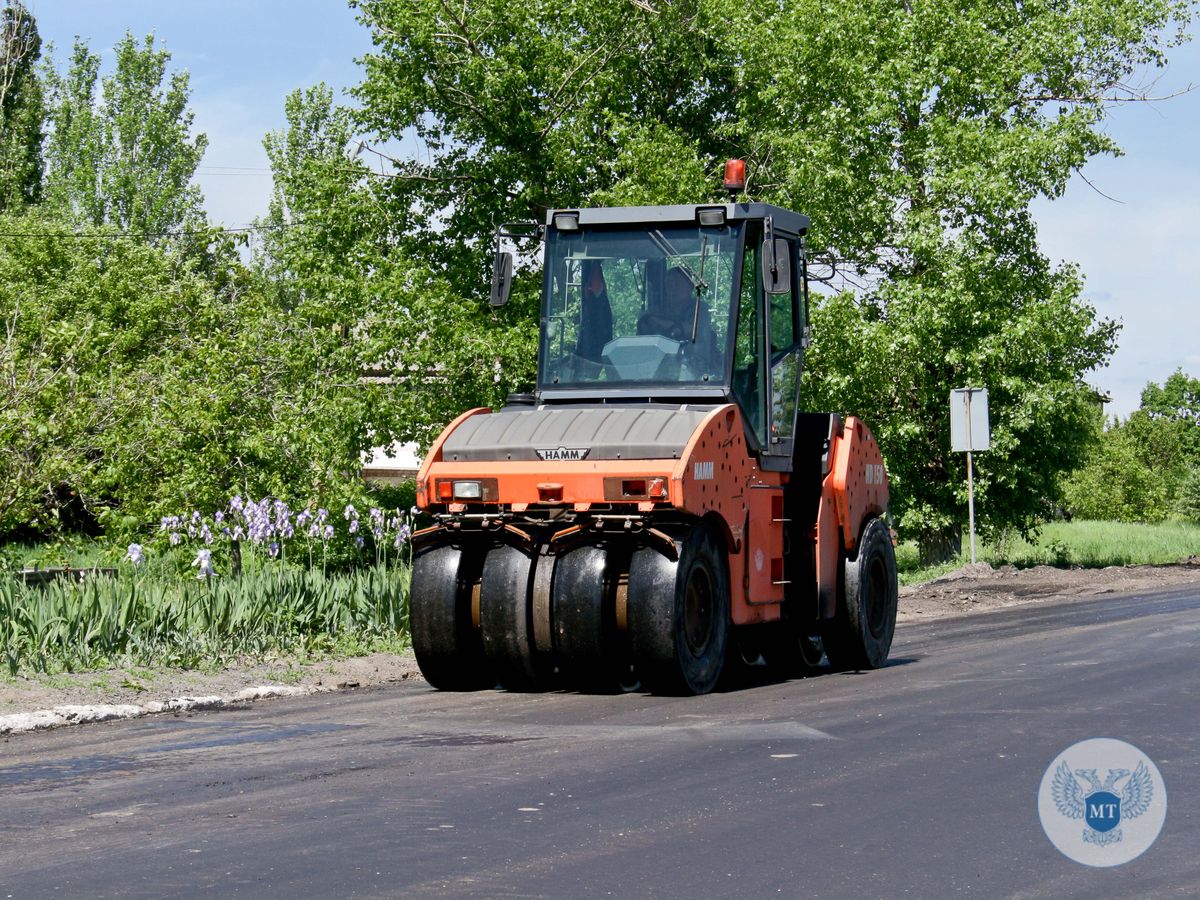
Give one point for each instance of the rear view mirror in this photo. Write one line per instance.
(501, 278)
(776, 266)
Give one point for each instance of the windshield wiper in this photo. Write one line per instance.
(700, 278)
(669, 249)
(699, 285)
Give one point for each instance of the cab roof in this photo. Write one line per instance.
(783, 219)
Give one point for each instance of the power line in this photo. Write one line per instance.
(235, 168)
(116, 235)
(234, 171)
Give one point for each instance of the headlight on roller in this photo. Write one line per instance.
(468, 490)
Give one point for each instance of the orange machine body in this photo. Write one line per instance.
(715, 476)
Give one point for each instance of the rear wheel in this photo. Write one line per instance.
(860, 635)
(445, 640)
(679, 615)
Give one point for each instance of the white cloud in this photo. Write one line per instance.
(1140, 263)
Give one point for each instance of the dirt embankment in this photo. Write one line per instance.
(75, 697)
(979, 587)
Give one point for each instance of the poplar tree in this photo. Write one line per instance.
(121, 149)
(21, 108)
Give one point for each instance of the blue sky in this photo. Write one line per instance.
(1138, 254)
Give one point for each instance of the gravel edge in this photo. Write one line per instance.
(58, 716)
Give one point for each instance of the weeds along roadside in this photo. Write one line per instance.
(252, 580)
(1080, 543)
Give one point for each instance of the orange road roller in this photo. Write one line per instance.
(659, 508)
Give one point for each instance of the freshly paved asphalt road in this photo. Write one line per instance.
(917, 780)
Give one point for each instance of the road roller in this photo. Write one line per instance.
(661, 506)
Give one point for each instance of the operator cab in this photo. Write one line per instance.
(677, 304)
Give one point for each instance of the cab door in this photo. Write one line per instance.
(749, 345)
(786, 338)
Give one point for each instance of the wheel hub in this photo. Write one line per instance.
(698, 611)
(877, 604)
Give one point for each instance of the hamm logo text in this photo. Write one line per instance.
(557, 454)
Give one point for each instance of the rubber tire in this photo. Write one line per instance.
(448, 647)
(591, 656)
(666, 661)
(860, 634)
(506, 619)
(578, 613)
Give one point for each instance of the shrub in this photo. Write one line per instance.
(1187, 503)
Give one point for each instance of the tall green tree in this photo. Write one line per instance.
(360, 299)
(916, 135)
(125, 154)
(22, 108)
(977, 319)
(321, 254)
(1174, 406)
(519, 107)
(1177, 400)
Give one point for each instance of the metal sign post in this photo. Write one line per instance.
(970, 431)
(970, 491)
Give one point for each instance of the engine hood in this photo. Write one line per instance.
(552, 433)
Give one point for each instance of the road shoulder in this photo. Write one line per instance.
(41, 701)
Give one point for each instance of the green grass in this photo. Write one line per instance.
(1091, 545)
(74, 553)
(290, 675)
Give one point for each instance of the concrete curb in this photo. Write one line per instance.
(42, 719)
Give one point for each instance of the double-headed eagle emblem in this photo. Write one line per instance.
(1099, 805)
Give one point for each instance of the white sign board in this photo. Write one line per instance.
(969, 405)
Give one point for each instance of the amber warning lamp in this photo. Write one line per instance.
(735, 176)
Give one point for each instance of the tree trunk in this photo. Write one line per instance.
(939, 546)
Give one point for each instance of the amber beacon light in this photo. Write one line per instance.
(735, 176)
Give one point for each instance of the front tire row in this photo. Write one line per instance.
(475, 622)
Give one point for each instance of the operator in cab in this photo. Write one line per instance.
(675, 316)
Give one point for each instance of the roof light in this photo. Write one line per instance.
(735, 176)
(711, 218)
(566, 221)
